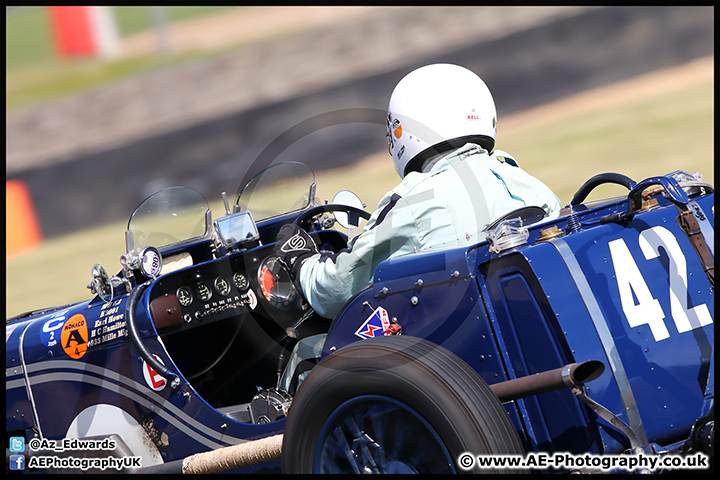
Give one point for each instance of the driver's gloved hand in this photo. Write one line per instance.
(293, 246)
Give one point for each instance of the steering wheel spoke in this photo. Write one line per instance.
(354, 214)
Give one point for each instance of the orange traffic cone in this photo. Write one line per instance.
(22, 227)
(72, 29)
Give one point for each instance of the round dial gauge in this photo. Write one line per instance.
(276, 285)
(240, 281)
(222, 286)
(184, 296)
(204, 292)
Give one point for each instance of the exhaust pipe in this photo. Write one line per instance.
(571, 375)
(222, 459)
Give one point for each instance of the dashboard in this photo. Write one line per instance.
(250, 282)
(241, 283)
(226, 319)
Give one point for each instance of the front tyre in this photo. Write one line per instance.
(394, 405)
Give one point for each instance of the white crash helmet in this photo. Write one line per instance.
(437, 108)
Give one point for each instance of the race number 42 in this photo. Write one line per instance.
(647, 310)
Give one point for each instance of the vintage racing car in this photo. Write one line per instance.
(590, 333)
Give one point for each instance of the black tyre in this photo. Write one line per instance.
(394, 405)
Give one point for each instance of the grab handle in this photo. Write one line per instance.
(671, 187)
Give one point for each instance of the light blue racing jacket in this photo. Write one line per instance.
(446, 207)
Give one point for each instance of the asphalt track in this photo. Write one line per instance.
(345, 123)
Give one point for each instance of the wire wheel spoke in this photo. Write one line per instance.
(378, 435)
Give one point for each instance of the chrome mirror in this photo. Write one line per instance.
(101, 283)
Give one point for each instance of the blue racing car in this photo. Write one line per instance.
(585, 337)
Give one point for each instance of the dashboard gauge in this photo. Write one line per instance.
(204, 292)
(275, 284)
(222, 286)
(184, 296)
(240, 281)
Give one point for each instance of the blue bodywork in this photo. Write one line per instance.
(557, 302)
(597, 283)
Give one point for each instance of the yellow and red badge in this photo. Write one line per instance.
(74, 336)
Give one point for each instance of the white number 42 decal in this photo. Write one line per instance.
(647, 310)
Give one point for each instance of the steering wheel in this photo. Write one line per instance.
(354, 213)
(600, 179)
(137, 341)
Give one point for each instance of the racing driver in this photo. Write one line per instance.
(441, 126)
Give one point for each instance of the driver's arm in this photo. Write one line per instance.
(328, 280)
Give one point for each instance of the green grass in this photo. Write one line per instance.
(27, 38)
(56, 79)
(131, 20)
(642, 138)
(34, 73)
